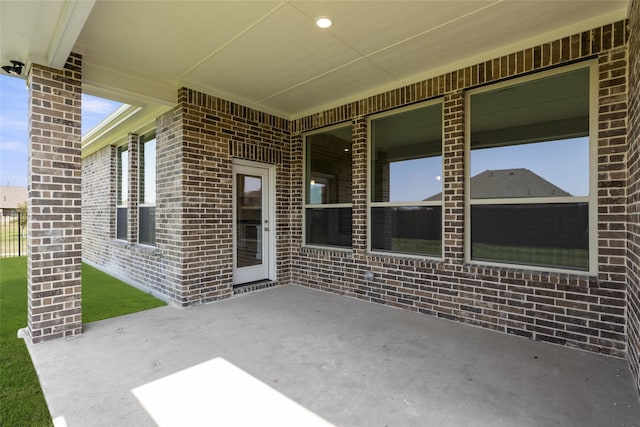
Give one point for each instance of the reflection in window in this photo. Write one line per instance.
(406, 181)
(147, 209)
(531, 141)
(407, 229)
(318, 190)
(532, 234)
(249, 217)
(328, 196)
(543, 169)
(328, 227)
(122, 195)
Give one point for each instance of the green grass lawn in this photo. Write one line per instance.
(21, 399)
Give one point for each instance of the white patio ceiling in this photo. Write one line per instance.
(269, 54)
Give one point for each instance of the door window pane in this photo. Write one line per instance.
(249, 218)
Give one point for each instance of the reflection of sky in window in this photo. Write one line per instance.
(150, 171)
(416, 179)
(564, 163)
(124, 177)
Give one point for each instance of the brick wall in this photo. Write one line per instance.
(54, 226)
(196, 142)
(576, 310)
(215, 132)
(198, 139)
(633, 194)
(138, 265)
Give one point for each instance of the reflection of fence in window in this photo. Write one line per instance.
(535, 234)
(13, 235)
(407, 229)
(406, 187)
(529, 171)
(328, 226)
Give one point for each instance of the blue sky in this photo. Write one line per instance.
(14, 131)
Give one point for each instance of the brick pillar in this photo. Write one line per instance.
(132, 203)
(453, 200)
(612, 168)
(359, 186)
(54, 227)
(296, 213)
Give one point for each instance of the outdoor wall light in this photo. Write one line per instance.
(15, 69)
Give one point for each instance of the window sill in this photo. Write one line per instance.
(531, 269)
(137, 247)
(403, 256)
(326, 250)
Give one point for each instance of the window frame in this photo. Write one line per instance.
(118, 205)
(591, 198)
(141, 170)
(306, 205)
(371, 204)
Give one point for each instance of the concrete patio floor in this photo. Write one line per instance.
(292, 356)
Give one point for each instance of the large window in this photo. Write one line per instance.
(529, 171)
(122, 193)
(328, 187)
(406, 181)
(147, 192)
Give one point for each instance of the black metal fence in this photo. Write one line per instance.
(13, 234)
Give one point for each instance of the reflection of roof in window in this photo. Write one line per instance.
(510, 183)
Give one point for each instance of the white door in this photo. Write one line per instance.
(253, 249)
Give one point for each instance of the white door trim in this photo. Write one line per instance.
(270, 210)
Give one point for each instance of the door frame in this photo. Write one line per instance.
(270, 212)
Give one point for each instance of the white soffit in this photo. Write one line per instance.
(283, 49)
(42, 32)
(269, 54)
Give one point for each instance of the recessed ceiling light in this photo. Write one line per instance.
(323, 22)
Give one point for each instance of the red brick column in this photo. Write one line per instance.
(54, 226)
